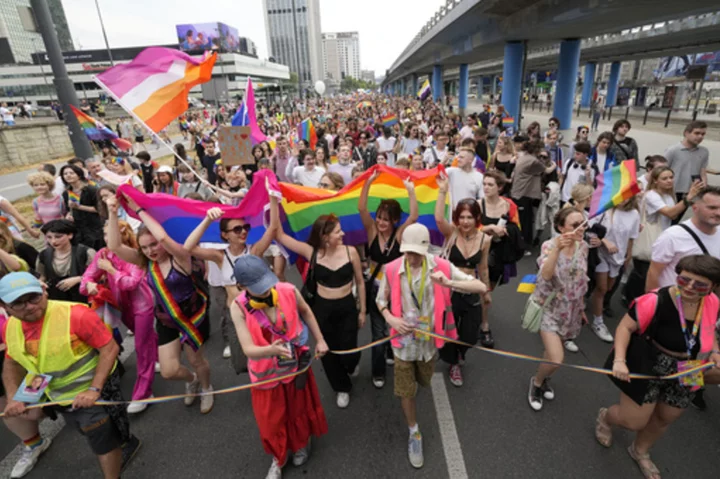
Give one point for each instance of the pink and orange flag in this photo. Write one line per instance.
(155, 85)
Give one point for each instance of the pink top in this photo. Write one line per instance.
(48, 210)
(128, 285)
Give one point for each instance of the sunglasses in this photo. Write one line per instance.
(700, 287)
(553, 124)
(543, 157)
(239, 229)
(584, 132)
(22, 303)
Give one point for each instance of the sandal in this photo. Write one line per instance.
(603, 431)
(647, 467)
(486, 339)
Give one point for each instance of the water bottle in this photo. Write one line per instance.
(410, 317)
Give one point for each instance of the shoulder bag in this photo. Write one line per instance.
(642, 246)
(309, 289)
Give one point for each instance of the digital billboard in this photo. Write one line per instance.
(198, 37)
(676, 68)
(229, 38)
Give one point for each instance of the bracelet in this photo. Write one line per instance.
(383, 309)
(139, 210)
(94, 389)
(619, 361)
(686, 202)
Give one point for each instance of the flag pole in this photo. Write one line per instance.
(152, 132)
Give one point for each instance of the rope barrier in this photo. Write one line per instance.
(497, 352)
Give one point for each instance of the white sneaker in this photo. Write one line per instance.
(356, 372)
(192, 388)
(208, 401)
(303, 455)
(130, 333)
(390, 361)
(571, 346)
(226, 352)
(275, 471)
(137, 407)
(602, 332)
(28, 459)
(415, 450)
(379, 383)
(343, 400)
(157, 368)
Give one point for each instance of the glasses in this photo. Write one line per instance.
(553, 124)
(584, 132)
(700, 287)
(22, 303)
(544, 157)
(239, 229)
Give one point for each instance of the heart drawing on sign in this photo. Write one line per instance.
(244, 136)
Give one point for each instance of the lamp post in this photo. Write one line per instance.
(297, 49)
(42, 70)
(102, 26)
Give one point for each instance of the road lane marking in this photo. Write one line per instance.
(13, 187)
(448, 432)
(50, 428)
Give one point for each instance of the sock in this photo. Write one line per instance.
(414, 429)
(34, 441)
(598, 320)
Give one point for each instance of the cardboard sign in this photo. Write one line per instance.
(235, 145)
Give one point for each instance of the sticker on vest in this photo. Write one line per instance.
(423, 323)
(695, 380)
(33, 388)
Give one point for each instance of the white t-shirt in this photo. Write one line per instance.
(343, 170)
(622, 226)
(59, 186)
(465, 184)
(574, 173)
(409, 145)
(429, 158)
(675, 243)
(386, 145)
(466, 132)
(601, 158)
(643, 182)
(222, 276)
(6, 114)
(654, 202)
(308, 178)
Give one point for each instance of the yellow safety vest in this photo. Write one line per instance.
(72, 371)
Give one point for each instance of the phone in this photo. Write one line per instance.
(695, 178)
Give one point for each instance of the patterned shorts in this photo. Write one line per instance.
(408, 374)
(670, 392)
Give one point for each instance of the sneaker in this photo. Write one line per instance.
(303, 455)
(699, 401)
(129, 450)
(137, 407)
(226, 352)
(571, 346)
(547, 390)
(192, 388)
(275, 471)
(486, 339)
(535, 395)
(527, 253)
(456, 375)
(207, 401)
(28, 459)
(157, 368)
(379, 383)
(390, 361)
(130, 333)
(602, 332)
(343, 400)
(356, 372)
(415, 450)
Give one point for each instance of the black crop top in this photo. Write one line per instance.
(456, 257)
(384, 257)
(334, 278)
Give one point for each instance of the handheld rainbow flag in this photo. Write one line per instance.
(73, 197)
(363, 104)
(527, 284)
(389, 120)
(96, 131)
(306, 131)
(424, 90)
(508, 121)
(614, 186)
(155, 85)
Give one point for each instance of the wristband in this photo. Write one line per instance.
(686, 202)
(94, 389)
(139, 210)
(383, 309)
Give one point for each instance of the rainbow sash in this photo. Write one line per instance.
(73, 197)
(187, 326)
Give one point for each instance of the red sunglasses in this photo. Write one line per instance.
(700, 287)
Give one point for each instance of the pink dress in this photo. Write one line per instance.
(48, 210)
(135, 300)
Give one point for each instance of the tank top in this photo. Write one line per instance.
(458, 259)
(334, 278)
(380, 257)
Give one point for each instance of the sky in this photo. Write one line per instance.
(385, 27)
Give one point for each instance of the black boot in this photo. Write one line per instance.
(699, 401)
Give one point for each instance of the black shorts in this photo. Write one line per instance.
(139, 139)
(167, 334)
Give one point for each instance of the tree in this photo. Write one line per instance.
(350, 84)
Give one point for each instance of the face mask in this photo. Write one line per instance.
(261, 303)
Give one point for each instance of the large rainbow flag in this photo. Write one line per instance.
(96, 131)
(155, 85)
(614, 186)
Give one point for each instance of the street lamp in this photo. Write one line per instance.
(42, 70)
(102, 26)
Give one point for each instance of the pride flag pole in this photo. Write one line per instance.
(152, 132)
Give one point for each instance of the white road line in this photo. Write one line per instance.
(49, 428)
(13, 187)
(448, 431)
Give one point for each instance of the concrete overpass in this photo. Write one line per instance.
(466, 32)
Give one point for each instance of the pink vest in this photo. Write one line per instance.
(267, 368)
(646, 305)
(444, 321)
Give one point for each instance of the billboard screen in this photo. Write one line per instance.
(229, 39)
(197, 37)
(676, 68)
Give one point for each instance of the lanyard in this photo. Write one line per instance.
(690, 339)
(423, 277)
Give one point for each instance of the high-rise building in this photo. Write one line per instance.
(341, 55)
(367, 75)
(293, 33)
(19, 37)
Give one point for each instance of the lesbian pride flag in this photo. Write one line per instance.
(614, 186)
(155, 85)
(96, 131)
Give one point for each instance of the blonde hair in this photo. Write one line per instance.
(581, 192)
(41, 177)
(6, 238)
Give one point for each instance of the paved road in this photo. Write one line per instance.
(487, 425)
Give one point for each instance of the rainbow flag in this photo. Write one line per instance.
(389, 120)
(527, 284)
(73, 197)
(508, 121)
(96, 131)
(306, 131)
(424, 90)
(614, 186)
(155, 85)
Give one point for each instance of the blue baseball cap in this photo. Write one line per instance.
(15, 285)
(254, 274)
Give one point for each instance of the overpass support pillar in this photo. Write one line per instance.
(613, 81)
(415, 85)
(402, 87)
(512, 78)
(437, 83)
(569, 62)
(463, 86)
(588, 84)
